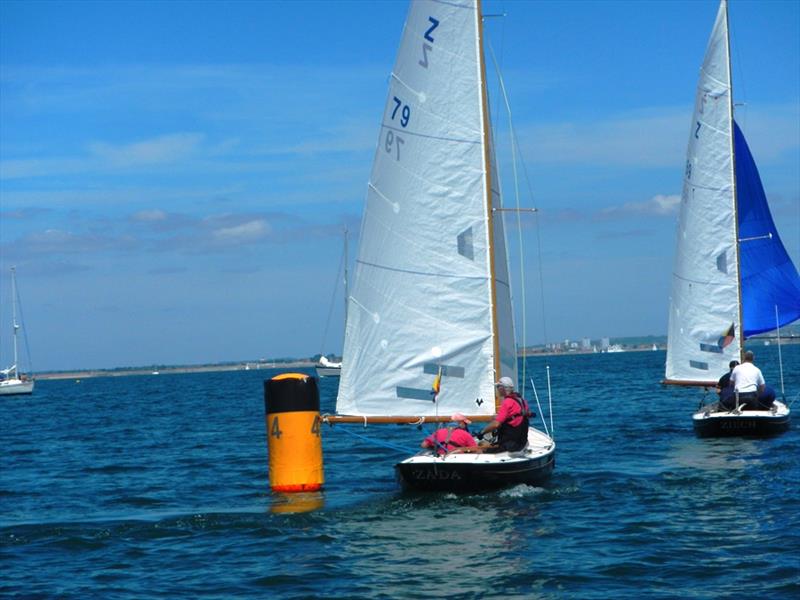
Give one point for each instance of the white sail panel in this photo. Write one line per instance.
(420, 303)
(704, 306)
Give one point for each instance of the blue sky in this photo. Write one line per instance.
(174, 176)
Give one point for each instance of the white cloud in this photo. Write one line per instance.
(57, 242)
(103, 157)
(659, 206)
(647, 138)
(245, 232)
(652, 137)
(159, 150)
(150, 215)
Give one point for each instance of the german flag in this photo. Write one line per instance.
(727, 337)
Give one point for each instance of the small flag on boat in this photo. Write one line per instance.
(727, 337)
(437, 384)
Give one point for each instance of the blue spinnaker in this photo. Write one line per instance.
(769, 278)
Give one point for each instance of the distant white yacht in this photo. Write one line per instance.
(12, 382)
(615, 348)
(327, 368)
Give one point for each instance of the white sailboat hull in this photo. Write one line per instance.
(328, 371)
(714, 421)
(13, 387)
(427, 471)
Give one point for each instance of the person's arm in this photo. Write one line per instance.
(489, 428)
(501, 417)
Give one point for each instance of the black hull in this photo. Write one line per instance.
(460, 477)
(741, 426)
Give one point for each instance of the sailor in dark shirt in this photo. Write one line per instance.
(724, 387)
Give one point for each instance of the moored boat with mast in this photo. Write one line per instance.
(326, 367)
(732, 277)
(13, 382)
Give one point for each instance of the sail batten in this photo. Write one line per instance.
(422, 334)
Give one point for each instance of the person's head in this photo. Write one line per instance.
(733, 363)
(749, 356)
(505, 385)
(460, 420)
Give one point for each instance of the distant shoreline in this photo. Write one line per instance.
(91, 373)
(309, 364)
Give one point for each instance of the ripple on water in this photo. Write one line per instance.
(139, 487)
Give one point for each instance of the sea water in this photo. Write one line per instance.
(157, 487)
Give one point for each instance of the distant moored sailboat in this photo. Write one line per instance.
(14, 381)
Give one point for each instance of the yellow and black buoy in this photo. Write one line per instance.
(294, 440)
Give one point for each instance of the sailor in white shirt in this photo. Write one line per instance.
(749, 385)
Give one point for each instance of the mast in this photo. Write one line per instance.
(14, 316)
(739, 316)
(346, 291)
(488, 186)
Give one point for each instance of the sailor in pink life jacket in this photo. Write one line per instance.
(511, 421)
(451, 438)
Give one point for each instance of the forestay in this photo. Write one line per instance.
(704, 331)
(428, 297)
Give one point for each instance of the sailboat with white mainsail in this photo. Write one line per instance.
(13, 381)
(732, 277)
(429, 324)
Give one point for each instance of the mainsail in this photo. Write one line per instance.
(431, 300)
(705, 304)
(732, 276)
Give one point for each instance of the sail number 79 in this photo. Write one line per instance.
(405, 114)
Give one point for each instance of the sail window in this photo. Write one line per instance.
(465, 247)
(711, 348)
(414, 393)
(696, 364)
(722, 263)
(447, 370)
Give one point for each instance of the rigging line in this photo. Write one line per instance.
(24, 329)
(501, 53)
(780, 354)
(388, 445)
(514, 155)
(541, 279)
(538, 236)
(539, 406)
(740, 76)
(333, 300)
